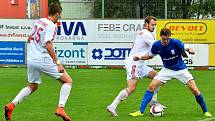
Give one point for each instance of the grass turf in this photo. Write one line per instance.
(94, 89)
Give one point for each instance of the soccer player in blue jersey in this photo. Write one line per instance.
(170, 51)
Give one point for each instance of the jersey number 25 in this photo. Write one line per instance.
(37, 31)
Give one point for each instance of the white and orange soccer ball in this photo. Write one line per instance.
(156, 111)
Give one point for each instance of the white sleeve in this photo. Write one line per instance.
(148, 39)
(50, 34)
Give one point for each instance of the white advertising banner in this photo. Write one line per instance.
(75, 30)
(70, 53)
(115, 54)
(15, 29)
(117, 30)
(108, 53)
(112, 54)
(201, 57)
(98, 30)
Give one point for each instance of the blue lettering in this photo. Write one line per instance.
(70, 53)
(61, 53)
(81, 26)
(68, 30)
(117, 53)
(77, 53)
(67, 53)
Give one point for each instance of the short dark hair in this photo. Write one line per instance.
(165, 32)
(54, 8)
(149, 18)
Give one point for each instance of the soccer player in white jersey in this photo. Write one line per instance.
(42, 59)
(137, 69)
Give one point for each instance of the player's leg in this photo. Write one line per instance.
(149, 94)
(147, 97)
(123, 94)
(26, 91)
(154, 100)
(51, 69)
(199, 97)
(132, 81)
(66, 81)
(32, 87)
(34, 80)
(185, 77)
(150, 73)
(161, 77)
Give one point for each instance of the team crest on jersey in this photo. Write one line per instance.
(173, 51)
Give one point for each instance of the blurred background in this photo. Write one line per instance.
(112, 9)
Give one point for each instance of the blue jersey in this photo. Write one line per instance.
(170, 54)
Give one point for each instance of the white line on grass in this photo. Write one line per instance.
(208, 119)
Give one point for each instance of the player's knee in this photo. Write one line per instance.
(67, 81)
(70, 83)
(132, 85)
(195, 91)
(33, 87)
(152, 87)
(132, 89)
(65, 78)
(152, 74)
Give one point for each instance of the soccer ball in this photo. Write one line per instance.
(156, 111)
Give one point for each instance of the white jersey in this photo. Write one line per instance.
(44, 30)
(142, 44)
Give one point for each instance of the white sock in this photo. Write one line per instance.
(121, 96)
(155, 96)
(22, 94)
(64, 94)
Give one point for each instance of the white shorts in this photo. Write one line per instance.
(166, 74)
(35, 68)
(136, 70)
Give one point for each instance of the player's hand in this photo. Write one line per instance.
(60, 68)
(135, 58)
(191, 51)
(30, 38)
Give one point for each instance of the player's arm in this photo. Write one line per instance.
(50, 49)
(144, 57)
(30, 38)
(153, 52)
(190, 50)
(183, 48)
(49, 36)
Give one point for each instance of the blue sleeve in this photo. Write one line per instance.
(180, 45)
(154, 49)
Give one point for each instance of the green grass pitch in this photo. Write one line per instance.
(94, 89)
